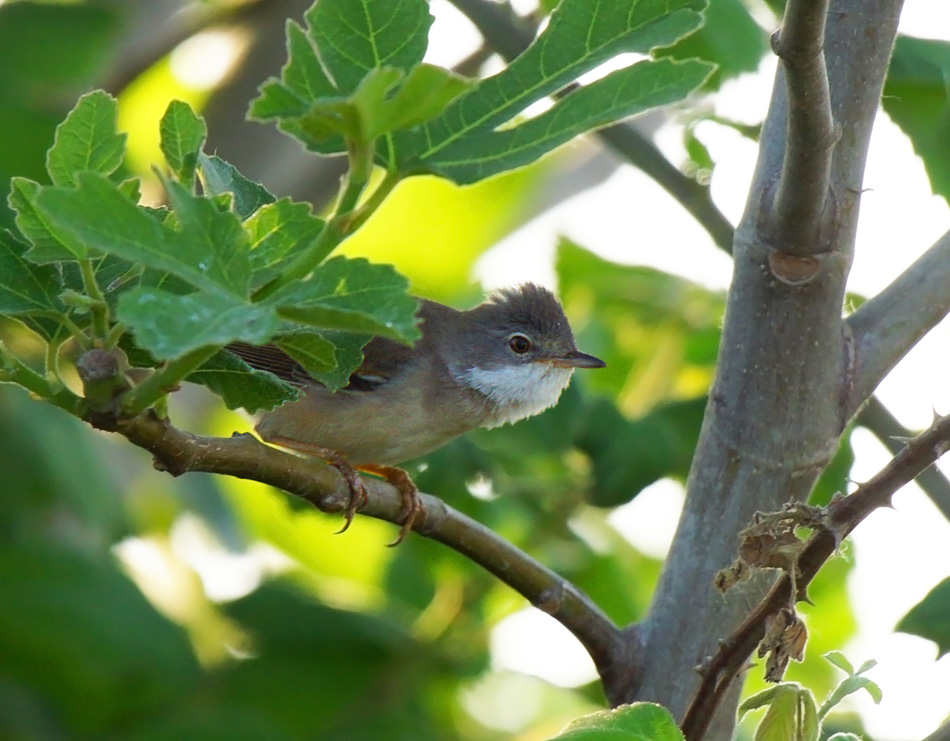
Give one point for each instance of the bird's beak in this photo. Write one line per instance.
(577, 359)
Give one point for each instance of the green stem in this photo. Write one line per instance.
(114, 335)
(99, 309)
(162, 380)
(81, 338)
(14, 370)
(348, 218)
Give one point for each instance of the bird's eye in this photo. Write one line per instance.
(519, 344)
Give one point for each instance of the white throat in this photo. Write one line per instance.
(517, 391)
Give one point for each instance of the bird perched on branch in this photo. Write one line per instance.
(504, 360)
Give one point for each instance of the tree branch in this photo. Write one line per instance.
(243, 456)
(840, 517)
(501, 32)
(887, 326)
(801, 198)
(885, 427)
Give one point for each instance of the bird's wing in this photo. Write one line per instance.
(382, 359)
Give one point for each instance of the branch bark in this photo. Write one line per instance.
(781, 397)
(243, 456)
(841, 517)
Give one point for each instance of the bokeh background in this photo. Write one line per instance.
(133, 605)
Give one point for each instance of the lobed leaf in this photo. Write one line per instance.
(46, 247)
(169, 325)
(355, 36)
(241, 386)
(352, 295)
(278, 232)
(25, 288)
(219, 177)
(556, 59)
(87, 140)
(182, 136)
(208, 250)
(621, 94)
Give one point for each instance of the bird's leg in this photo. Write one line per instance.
(339, 461)
(411, 504)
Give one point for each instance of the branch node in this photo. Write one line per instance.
(551, 599)
(793, 270)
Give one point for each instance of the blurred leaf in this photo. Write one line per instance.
(278, 232)
(640, 721)
(87, 140)
(930, 618)
(55, 478)
(849, 686)
(352, 295)
(314, 666)
(730, 38)
(465, 143)
(917, 98)
(356, 36)
(80, 33)
(629, 455)
(218, 177)
(79, 634)
(183, 134)
(834, 479)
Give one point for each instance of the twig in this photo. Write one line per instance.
(885, 427)
(842, 515)
(887, 326)
(803, 189)
(509, 40)
(243, 456)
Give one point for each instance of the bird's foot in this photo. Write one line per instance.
(411, 504)
(358, 496)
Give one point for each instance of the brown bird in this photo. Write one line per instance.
(504, 360)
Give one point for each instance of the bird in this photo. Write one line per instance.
(504, 360)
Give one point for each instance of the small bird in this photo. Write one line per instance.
(504, 360)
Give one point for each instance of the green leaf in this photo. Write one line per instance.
(623, 93)
(779, 721)
(183, 134)
(81, 635)
(348, 352)
(87, 140)
(169, 325)
(309, 349)
(218, 177)
(355, 36)
(556, 58)
(840, 660)
(25, 288)
(46, 247)
(208, 250)
(917, 98)
(729, 37)
(352, 295)
(279, 232)
(849, 686)
(930, 618)
(241, 386)
(640, 721)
